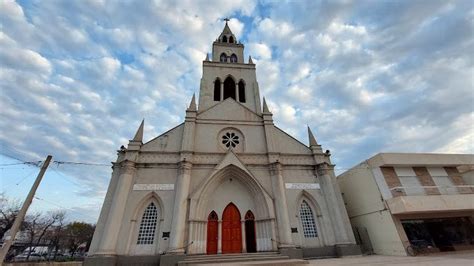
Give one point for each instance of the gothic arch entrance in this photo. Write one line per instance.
(212, 233)
(250, 239)
(231, 230)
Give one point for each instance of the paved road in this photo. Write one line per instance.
(441, 259)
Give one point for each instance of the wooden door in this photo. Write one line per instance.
(212, 233)
(231, 230)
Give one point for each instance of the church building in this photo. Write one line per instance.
(226, 180)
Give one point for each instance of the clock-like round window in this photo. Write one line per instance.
(230, 139)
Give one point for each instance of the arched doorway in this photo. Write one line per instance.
(250, 239)
(212, 233)
(231, 230)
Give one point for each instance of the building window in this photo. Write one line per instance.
(241, 91)
(217, 90)
(411, 185)
(230, 139)
(223, 58)
(233, 58)
(231, 39)
(146, 234)
(307, 220)
(445, 185)
(224, 38)
(229, 88)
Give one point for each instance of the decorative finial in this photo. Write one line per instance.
(207, 57)
(250, 60)
(265, 107)
(226, 20)
(192, 105)
(312, 139)
(139, 135)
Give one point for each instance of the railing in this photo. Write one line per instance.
(443, 190)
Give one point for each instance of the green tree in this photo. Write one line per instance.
(78, 233)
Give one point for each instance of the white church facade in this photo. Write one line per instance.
(226, 180)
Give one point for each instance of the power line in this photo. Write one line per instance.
(82, 163)
(66, 208)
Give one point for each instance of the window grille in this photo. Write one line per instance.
(307, 220)
(146, 234)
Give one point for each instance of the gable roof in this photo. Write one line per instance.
(229, 109)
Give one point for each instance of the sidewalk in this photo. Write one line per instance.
(439, 259)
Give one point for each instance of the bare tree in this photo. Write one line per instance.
(32, 225)
(8, 211)
(56, 235)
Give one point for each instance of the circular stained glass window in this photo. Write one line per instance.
(230, 139)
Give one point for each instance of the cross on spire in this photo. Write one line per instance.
(226, 20)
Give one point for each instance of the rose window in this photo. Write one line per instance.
(230, 139)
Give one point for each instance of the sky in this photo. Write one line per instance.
(77, 78)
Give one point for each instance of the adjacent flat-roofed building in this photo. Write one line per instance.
(399, 199)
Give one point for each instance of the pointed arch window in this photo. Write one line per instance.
(223, 57)
(241, 91)
(233, 58)
(229, 88)
(224, 38)
(231, 39)
(146, 234)
(217, 90)
(307, 220)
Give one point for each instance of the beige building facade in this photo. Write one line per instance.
(397, 200)
(226, 180)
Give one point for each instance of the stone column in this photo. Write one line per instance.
(117, 209)
(180, 208)
(281, 205)
(337, 213)
(237, 96)
(219, 237)
(222, 91)
(244, 243)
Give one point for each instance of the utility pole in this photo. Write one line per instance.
(21, 215)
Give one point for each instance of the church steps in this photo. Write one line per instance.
(239, 258)
(210, 256)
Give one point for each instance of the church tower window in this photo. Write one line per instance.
(146, 234)
(223, 58)
(307, 220)
(224, 38)
(233, 58)
(241, 91)
(217, 90)
(229, 88)
(231, 39)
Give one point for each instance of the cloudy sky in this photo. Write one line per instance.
(77, 77)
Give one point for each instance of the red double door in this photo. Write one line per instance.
(231, 231)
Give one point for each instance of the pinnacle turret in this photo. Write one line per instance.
(139, 134)
(192, 104)
(265, 107)
(312, 139)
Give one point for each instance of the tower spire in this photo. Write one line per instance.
(139, 135)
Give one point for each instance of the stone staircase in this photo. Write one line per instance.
(260, 258)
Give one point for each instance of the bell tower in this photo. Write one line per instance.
(226, 75)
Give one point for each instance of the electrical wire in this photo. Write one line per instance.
(66, 208)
